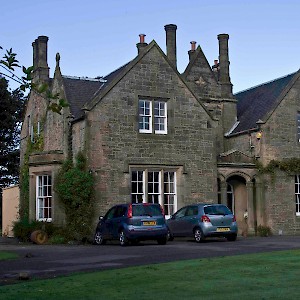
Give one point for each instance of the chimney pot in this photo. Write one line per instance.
(142, 37)
(193, 45)
(141, 45)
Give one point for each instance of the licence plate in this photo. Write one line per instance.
(149, 223)
(222, 229)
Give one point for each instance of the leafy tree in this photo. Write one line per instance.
(11, 114)
(8, 65)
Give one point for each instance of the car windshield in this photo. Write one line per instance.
(217, 210)
(146, 210)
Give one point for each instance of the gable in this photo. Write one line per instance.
(199, 74)
(156, 68)
(235, 156)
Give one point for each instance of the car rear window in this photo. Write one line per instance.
(146, 210)
(217, 210)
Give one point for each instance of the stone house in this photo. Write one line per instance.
(151, 134)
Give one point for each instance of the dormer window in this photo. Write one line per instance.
(152, 116)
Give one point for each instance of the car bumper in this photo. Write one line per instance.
(219, 231)
(134, 232)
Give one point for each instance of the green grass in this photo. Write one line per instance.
(258, 276)
(7, 255)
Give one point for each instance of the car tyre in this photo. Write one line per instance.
(98, 238)
(231, 238)
(198, 235)
(123, 239)
(162, 241)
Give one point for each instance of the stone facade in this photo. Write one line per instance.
(201, 151)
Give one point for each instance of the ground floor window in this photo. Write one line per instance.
(155, 186)
(44, 198)
(297, 194)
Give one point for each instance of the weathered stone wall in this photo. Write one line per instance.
(115, 142)
(279, 134)
(280, 204)
(78, 137)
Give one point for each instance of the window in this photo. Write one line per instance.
(152, 114)
(154, 186)
(44, 198)
(297, 194)
(298, 125)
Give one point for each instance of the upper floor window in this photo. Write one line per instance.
(152, 116)
(44, 198)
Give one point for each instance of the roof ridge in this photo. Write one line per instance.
(265, 83)
(100, 79)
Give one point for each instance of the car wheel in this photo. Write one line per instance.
(123, 239)
(170, 236)
(162, 241)
(231, 238)
(198, 235)
(98, 238)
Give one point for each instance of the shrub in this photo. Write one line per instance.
(264, 230)
(74, 186)
(23, 228)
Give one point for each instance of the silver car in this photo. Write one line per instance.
(203, 220)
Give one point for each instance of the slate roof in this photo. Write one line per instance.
(255, 103)
(80, 90)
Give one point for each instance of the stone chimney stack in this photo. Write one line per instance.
(225, 82)
(193, 49)
(171, 43)
(40, 61)
(141, 45)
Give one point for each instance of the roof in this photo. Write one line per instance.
(80, 90)
(255, 103)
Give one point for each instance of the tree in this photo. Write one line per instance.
(11, 114)
(9, 63)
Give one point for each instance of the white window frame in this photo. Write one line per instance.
(160, 118)
(297, 194)
(166, 198)
(156, 113)
(143, 116)
(44, 197)
(139, 187)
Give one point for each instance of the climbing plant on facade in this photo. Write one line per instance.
(74, 186)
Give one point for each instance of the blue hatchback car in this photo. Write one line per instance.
(203, 220)
(132, 223)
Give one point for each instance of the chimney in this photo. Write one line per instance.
(40, 64)
(141, 45)
(192, 51)
(226, 86)
(171, 43)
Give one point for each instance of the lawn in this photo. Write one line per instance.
(7, 255)
(272, 275)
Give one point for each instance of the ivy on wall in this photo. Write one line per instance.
(36, 145)
(74, 186)
(289, 165)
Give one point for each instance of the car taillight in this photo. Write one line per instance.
(233, 219)
(205, 218)
(129, 212)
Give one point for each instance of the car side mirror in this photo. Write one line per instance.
(101, 218)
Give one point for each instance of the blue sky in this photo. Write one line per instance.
(96, 37)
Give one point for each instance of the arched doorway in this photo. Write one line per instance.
(237, 200)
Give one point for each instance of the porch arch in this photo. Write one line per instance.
(237, 191)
